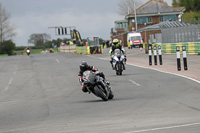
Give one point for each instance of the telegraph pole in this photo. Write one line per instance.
(135, 18)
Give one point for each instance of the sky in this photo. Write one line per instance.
(90, 17)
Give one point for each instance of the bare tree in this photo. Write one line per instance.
(39, 39)
(127, 6)
(6, 29)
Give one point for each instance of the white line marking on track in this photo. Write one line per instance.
(166, 72)
(6, 87)
(161, 71)
(10, 81)
(57, 60)
(163, 128)
(134, 82)
(156, 70)
(102, 59)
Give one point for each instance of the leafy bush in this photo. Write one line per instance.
(7, 47)
(191, 15)
(20, 48)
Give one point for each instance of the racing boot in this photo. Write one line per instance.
(124, 68)
(112, 65)
(107, 82)
(84, 89)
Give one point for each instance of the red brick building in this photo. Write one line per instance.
(151, 13)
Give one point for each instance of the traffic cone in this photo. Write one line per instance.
(140, 48)
(99, 51)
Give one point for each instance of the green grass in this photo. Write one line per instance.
(3, 55)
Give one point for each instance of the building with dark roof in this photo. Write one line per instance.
(151, 13)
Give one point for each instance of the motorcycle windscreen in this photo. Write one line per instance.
(89, 77)
(118, 54)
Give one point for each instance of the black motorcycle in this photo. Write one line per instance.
(95, 84)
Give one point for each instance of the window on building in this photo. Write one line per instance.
(119, 25)
(125, 25)
(169, 17)
(149, 19)
(161, 18)
(141, 20)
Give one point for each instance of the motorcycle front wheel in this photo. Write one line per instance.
(100, 93)
(118, 69)
(111, 95)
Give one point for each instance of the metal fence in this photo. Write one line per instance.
(157, 39)
(177, 32)
(189, 33)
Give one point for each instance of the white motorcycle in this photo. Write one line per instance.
(118, 61)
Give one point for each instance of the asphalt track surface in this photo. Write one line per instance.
(41, 94)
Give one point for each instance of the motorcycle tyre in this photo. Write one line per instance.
(111, 95)
(100, 94)
(119, 70)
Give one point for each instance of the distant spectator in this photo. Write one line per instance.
(74, 41)
(121, 42)
(82, 44)
(110, 44)
(103, 43)
(107, 43)
(62, 44)
(71, 43)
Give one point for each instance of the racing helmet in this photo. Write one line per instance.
(83, 66)
(116, 42)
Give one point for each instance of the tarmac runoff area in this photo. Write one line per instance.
(138, 58)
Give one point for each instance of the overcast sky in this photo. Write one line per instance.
(90, 17)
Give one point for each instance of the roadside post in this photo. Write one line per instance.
(150, 55)
(184, 58)
(178, 58)
(160, 54)
(155, 55)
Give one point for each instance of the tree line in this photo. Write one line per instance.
(6, 33)
(192, 8)
(38, 40)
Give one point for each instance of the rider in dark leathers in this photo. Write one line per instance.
(84, 67)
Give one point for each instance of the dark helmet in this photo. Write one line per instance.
(83, 66)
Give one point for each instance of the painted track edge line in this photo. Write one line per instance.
(197, 81)
(166, 72)
(163, 128)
